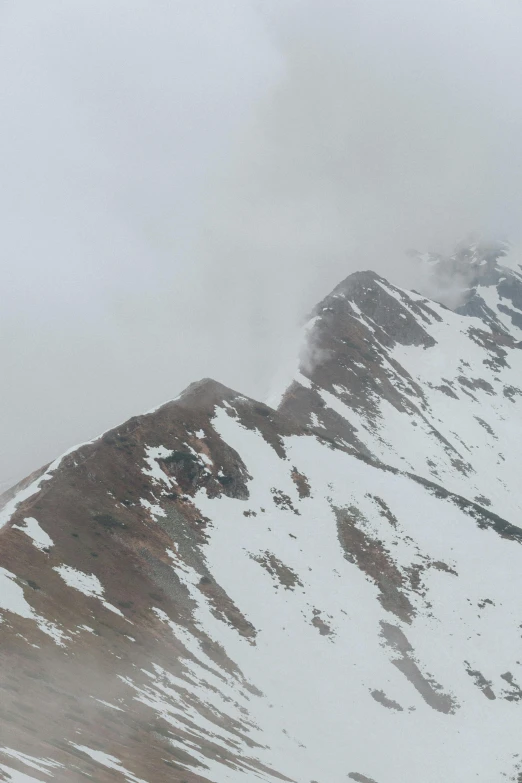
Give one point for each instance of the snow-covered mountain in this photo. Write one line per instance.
(328, 591)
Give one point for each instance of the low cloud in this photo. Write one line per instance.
(183, 181)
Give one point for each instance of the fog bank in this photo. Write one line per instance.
(184, 180)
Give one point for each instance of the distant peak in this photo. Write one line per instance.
(357, 279)
(452, 279)
(202, 393)
(206, 386)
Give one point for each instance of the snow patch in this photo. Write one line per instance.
(41, 540)
(41, 765)
(108, 704)
(110, 762)
(153, 508)
(152, 454)
(88, 584)
(17, 777)
(12, 600)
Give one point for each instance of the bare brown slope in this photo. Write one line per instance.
(91, 508)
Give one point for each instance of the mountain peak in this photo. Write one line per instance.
(206, 388)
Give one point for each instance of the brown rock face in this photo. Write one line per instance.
(110, 519)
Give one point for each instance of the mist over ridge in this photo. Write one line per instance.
(184, 183)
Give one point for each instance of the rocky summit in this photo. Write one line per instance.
(324, 591)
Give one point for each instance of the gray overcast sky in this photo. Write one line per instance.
(183, 179)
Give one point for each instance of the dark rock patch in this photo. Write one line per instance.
(280, 572)
(381, 698)
(283, 501)
(323, 627)
(301, 482)
(426, 686)
(374, 560)
(481, 682)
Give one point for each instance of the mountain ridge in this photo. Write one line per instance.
(319, 592)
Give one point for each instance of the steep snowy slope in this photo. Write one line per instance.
(420, 387)
(332, 591)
